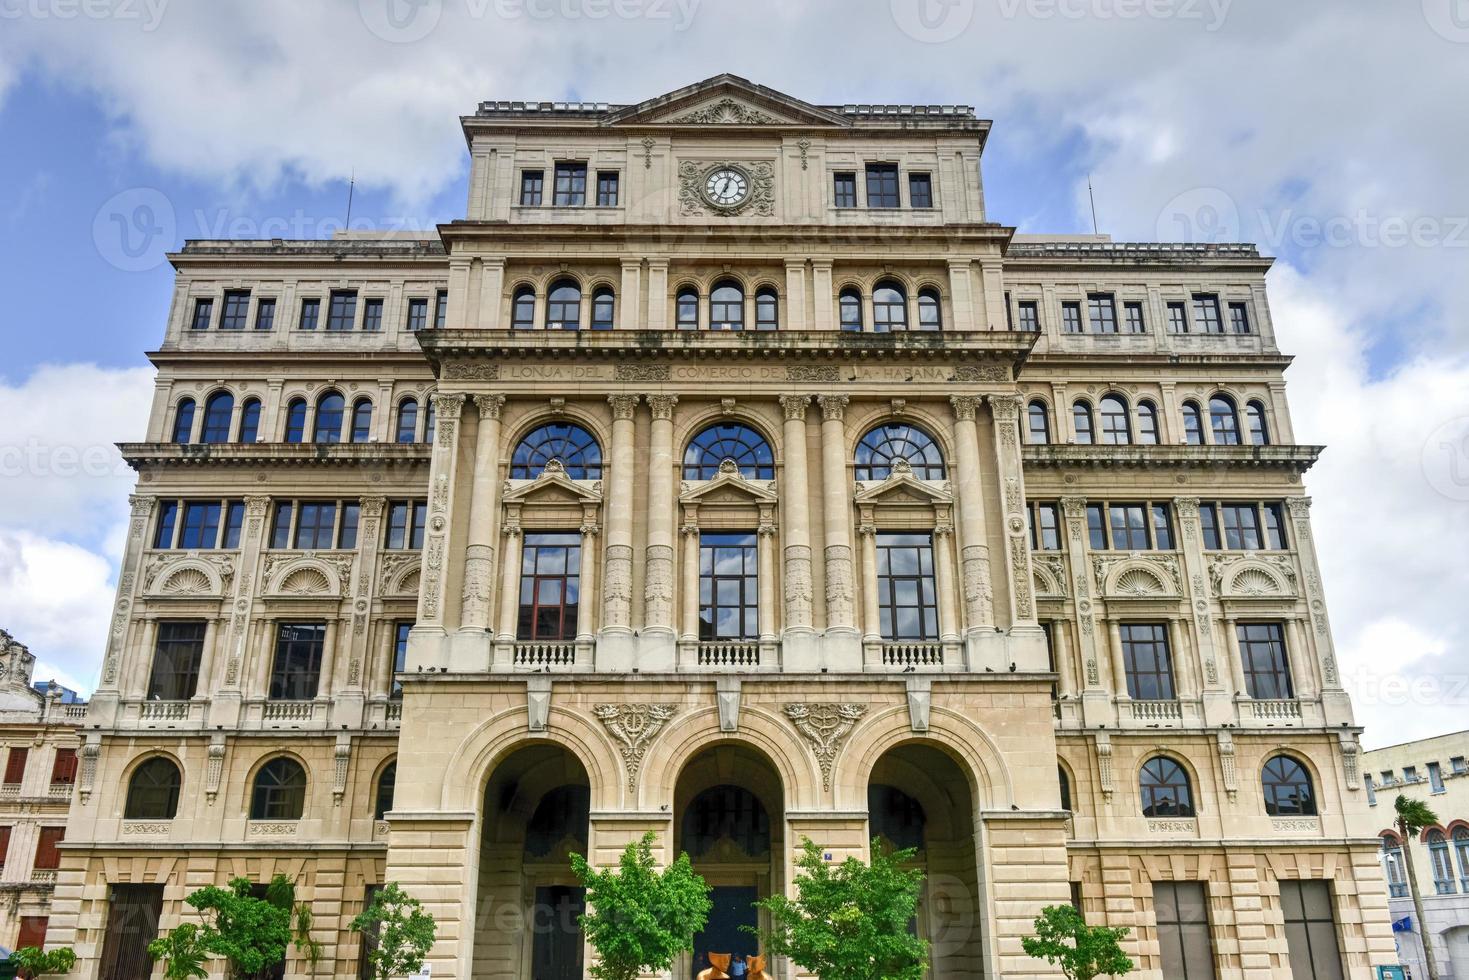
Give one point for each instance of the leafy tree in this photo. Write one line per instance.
(250, 934)
(182, 952)
(33, 961)
(403, 933)
(849, 921)
(1063, 939)
(1415, 816)
(641, 918)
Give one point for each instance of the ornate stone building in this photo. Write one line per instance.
(727, 473)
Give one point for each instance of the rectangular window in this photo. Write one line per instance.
(406, 520)
(1162, 528)
(1185, 945)
(1262, 650)
(1310, 930)
(532, 186)
(607, 188)
(1241, 527)
(296, 673)
(441, 309)
(347, 531)
(280, 528)
(310, 313)
(234, 522)
(1371, 789)
(845, 188)
(1096, 526)
(342, 313)
(1129, 525)
(1177, 318)
(168, 513)
(201, 525)
(1029, 316)
(1147, 661)
(64, 767)
(177, 653)
(316, 527)
(1045, 527)
(372, 315)
(1209, 526)
(1239, 318)
(1274, 526)
(4, 845)
(571, 184)
(236, 310)
(48, 858)
(32, 931)
(1206, 313)
(882, 185)
(729, 593)
(1132, 315)
(265, 315)
(203, 313)
(906, 599)
(550, 586)
(1435, 777)
(132, 922)
(1410, 774)
(1071, 317)
(400, 654)
(1459, 765)
(920, 191)
(417, 314)
(1102, 311)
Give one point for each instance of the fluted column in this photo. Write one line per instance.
(1119, 660)
(1185, 678)
(471, 648)
(979, 614)
(586, 612)
(871, 609)
(798, 648)
(657, 647)
(842, 645)
(615, 648)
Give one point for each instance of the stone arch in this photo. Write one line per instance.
(188, 577)
(1255, 578)
(939, 429)
(1045, 583)
(267, 756)
(282, 577)
(534, 416)
(991, 784)
(689, 734)
(481, 751)
(750, 414)
(1138, 578)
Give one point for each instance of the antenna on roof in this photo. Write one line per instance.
(1093, 198)
(351, 186)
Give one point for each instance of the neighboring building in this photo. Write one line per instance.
(1436, 771)
(39, 743)
(727, 473)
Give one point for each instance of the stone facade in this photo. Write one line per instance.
(922, 637)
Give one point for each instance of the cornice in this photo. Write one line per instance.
(141, 454)
(1298, 459)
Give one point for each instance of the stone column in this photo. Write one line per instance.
(471, 649)
(1026, 643)
(326, 682)
(690, 579)
(842, 647)
(765, 556)
(1236, 659)
(1119, 661)
(1304, 681)
(943, 565)
(798, 646)
(657, 647)
(1185, 679)
(871, 611)
(979, 614)
(629, 308)
(586, 612)
(615, 646)
(427, 642)
(509, 590)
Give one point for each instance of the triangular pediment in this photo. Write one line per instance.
(725, 100)
(902, 488)
(552, 487)
(728, 488)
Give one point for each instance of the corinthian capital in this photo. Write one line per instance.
(662, 406)
(623, 406)
(448, 406)
(966, 407)
(489, 405)
(794, 406)
(833, 407)
(1006, 408)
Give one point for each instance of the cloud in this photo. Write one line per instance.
(55, 598)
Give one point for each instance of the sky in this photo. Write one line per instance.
(1330, 132)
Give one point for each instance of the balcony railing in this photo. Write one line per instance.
(900, 654)
(1276, 710)
(393, 711)
(729, 653)
(60, 791)
(545, 655)
(1156, 711)
(288, 711)
(164, 711)
(43, 876)
(9, 791)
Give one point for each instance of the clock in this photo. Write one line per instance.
(726, 186)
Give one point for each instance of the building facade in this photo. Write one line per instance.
(1435, 771)
(726, 473)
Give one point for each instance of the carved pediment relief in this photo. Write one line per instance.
(188, 575)
(308, 575)
(728, 487)
(725, 100)
(902, 487)
(1049, 575)
(553, 486)
(1138, 575)
(400, 575)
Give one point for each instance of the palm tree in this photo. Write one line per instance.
(1413, 817)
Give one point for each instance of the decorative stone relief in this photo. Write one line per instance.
(1350, 759)
(978, 592)
(643, 373)
(976, 373)
(966, 407)
(470, 371)
(617, 589)
(634, 727)
(1054, 567)
(1024, 605)
(839, 578)
(490, 406)
(819, 373)
(658, 583)
(433, 562)
(90, 750)
(804, 145)
(798, 588)
(342, 758)
(648, 144)
(538, 703)
(725, 112)
(825, 724)
(760, 200)
(727, 694)
(1226, 763)
(1104, 764)
(215, 767)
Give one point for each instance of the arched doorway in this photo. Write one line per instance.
(536, 808)
(918, 797)
(729, 818)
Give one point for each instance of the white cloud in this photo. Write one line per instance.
(55, 598)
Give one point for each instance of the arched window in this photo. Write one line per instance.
(1165, 789)
(183, 422)
(1259, 428)
(1443, 865)
(430, 421)
(219, 412)
(1193, 425)
(1081, 420)
(563, 306)
(523, 309)
(250, 421)
(1065, 782)
(686, 310)
(1147, 424)
(385, 783)
(728, 441)
(1116, 426)
(1038, 424)
(889, 308)
(930, 315)
(885, 446)
(1392, 866)
(727, 307)
(569, 444)
(1461, 847)
(767, 309)
(330, 408)
(604, 308)
(296, 420)
(407, 421)
(279, 792)
(1288, 791)
(153, 791)
(1223, 421)
(362, 420)
(849, 305)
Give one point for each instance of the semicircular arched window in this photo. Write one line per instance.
(523, 309)
(183, 422)
(219, 411)
(250, 421)
(891, 444)
(1443, 865)
(279, 792)
(362, 420)
(731, 441)
(1038, 424)
(849, 307)
(563, 306)
(1147, 423)
(1081, 421)
(1165, 789)
(1259, 428)
(930, 311)
(386, 783)
(1193, 424)
(1287, 787)
(330, 408)
(1065, 782)
(1223, 421)
(889, 308)
(407, 421)
(153, 791)
(604, 308)
(686, 309)
(767, 308)
(296, 420)
(569, 444)
(1116, 428)
(727, 307)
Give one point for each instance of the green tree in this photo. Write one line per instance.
(641, 918)
(1063, 939)
(250, 934)
(33, 962)
(849, 921)
(402, 932)
(182, 952)
(1414, 816)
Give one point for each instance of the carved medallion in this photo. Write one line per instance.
(825, 725)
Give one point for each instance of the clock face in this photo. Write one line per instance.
(726, 186)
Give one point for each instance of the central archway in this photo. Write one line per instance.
(729, 808)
